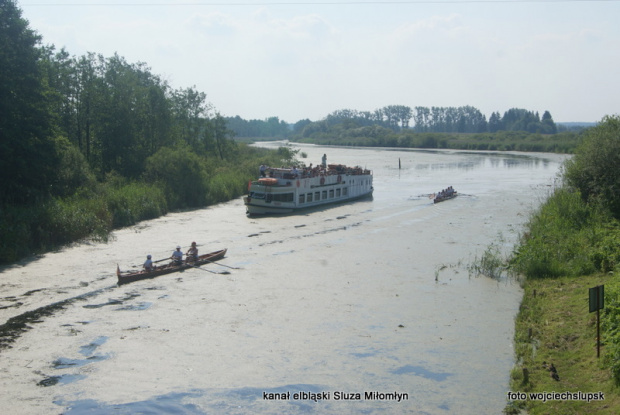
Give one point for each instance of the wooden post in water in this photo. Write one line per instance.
(399, 163)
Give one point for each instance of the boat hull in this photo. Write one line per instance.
(443, 199)
(257, 210)
(169, 268)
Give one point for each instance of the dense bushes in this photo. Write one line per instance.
(176, 178)
(35, 228)
(595, 168)
(25, 230)
(566, 238)
(134, 202)
(611, 327)
(498, 141)
(181, 173)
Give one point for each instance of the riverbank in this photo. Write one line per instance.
(554, 327)
(572, 244)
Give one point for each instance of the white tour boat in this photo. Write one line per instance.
(286, 190)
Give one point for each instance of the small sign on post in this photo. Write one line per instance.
(597, 303)
(597, 298)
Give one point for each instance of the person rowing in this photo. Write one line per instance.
(192, 253)
(177, 256)
(148, 264)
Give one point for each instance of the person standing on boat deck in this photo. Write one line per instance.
(295, 172)
(324, 161)
(177, 256)
(262, 170)
(192, 253)
(148, 264)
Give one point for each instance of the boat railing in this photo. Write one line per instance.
(306, 173)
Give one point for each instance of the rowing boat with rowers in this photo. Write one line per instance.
(127, 277)
(445, 194)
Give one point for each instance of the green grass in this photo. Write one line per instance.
(554, 326)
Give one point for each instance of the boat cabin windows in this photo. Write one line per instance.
(337, 192)
(282, 197)
(345, 191)
(257, 195)
(309, 197)
(317, 195)
(324, 195)
(302, 198)
(331, 193)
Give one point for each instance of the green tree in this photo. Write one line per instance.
(548, 125)
(593, 170)
(28, 157)
(181, 172)
(218, 133)
(190, 111)
(495, 123)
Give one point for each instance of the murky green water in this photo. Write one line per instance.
(369, 297)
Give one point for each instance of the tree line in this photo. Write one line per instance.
(89, 143)
(466, 119)
(101, 115)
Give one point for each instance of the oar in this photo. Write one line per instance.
(159, 260)
(208, 270)
(217, 263)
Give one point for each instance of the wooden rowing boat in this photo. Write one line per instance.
(127, 277)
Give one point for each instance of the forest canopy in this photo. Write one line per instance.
(89, 143)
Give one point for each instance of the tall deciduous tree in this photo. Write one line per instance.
(593, 170)
(28, 156)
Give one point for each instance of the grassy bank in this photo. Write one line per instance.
(554, 327)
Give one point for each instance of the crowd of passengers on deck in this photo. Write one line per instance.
(304, 171)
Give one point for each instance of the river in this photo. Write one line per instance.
(366, 307)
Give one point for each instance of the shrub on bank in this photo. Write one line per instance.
(40, 227)
(611, 327)
(567, 237)
(134, 202)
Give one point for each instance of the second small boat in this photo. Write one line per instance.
(445, 194)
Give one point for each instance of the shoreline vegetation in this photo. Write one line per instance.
(561, 143)
(96, 209)
(570, 244)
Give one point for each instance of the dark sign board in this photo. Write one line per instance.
(597, 298)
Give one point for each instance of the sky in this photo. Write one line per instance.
(302, 59)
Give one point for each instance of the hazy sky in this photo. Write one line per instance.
(305, 59)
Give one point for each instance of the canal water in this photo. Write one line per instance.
(366, 307)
